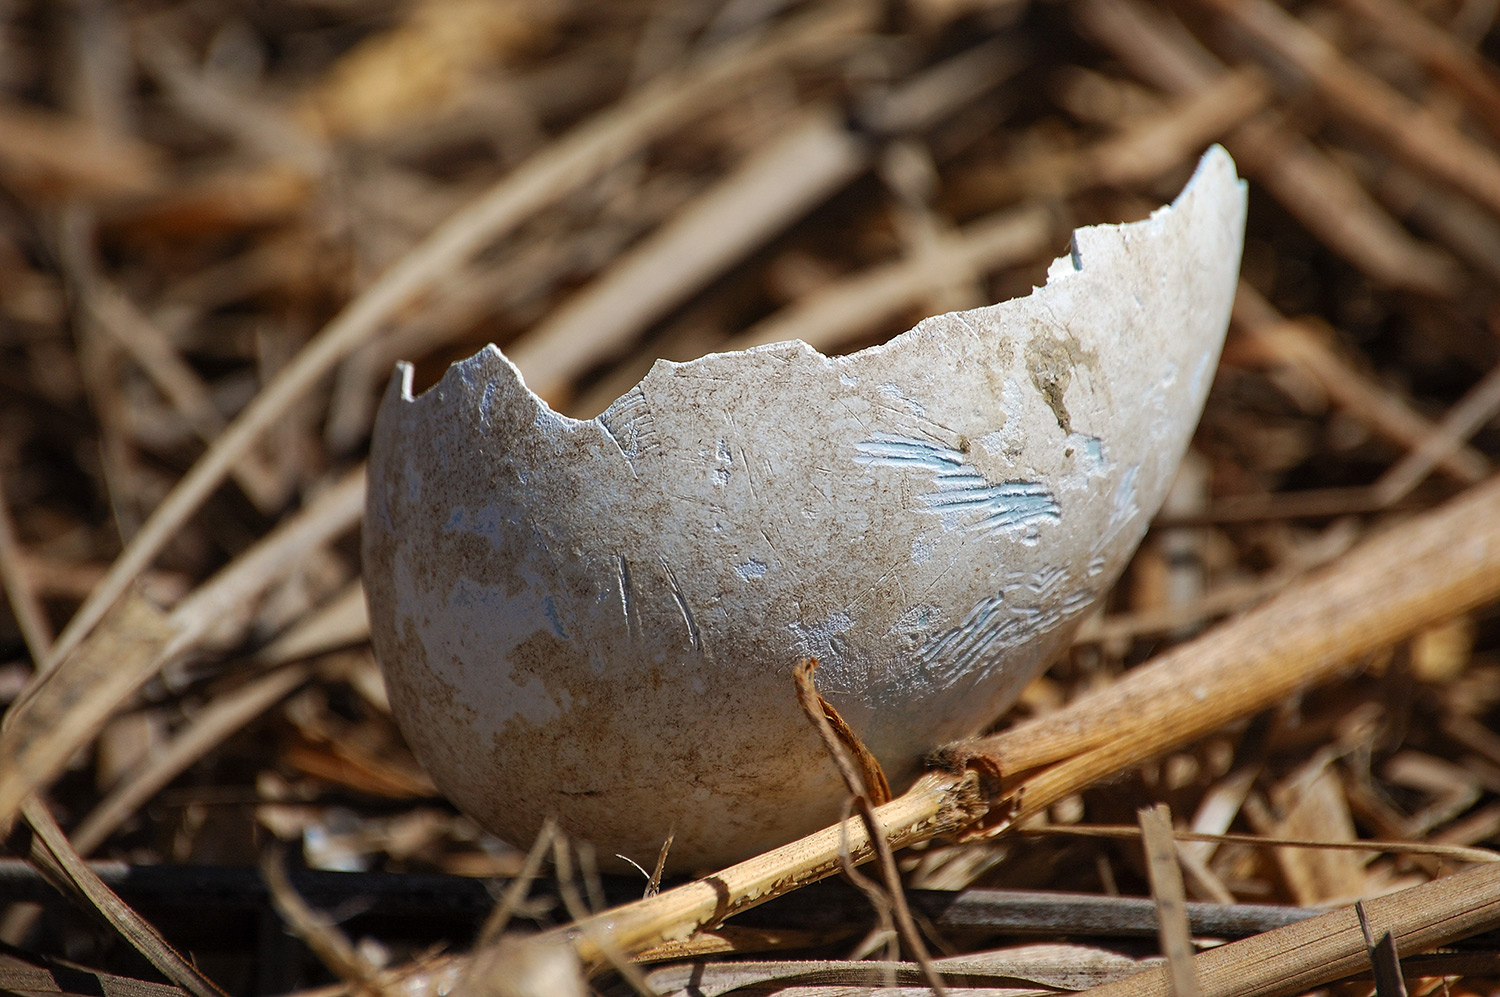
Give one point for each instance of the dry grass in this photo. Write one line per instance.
(222, 222)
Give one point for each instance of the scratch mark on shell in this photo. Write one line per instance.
(549, 608)
(1027, 606)
(682, 606)
(631, 425)
(749, 474)
(962, 492)
(486, 402)
(627, 591)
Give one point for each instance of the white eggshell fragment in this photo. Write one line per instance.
(599, 620)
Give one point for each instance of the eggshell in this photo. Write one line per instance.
(598, 620)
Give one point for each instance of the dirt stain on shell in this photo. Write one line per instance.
(1051, 360)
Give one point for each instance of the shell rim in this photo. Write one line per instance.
(1062, 268)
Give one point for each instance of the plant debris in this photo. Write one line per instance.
(222, 223)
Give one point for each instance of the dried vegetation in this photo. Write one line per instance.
(222, 221)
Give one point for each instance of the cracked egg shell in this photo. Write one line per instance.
(598, 620)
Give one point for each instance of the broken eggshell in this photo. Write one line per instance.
(598, 620)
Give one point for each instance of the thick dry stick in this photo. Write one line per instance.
(938, 804)
(1431, 567)
(1305, 956)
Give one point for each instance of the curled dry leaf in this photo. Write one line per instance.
(598, 620)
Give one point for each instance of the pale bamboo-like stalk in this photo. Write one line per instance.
(938, 804)
(1433, 567)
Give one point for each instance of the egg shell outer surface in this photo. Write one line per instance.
(598, 620)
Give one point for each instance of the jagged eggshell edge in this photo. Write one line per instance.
(597, 620)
